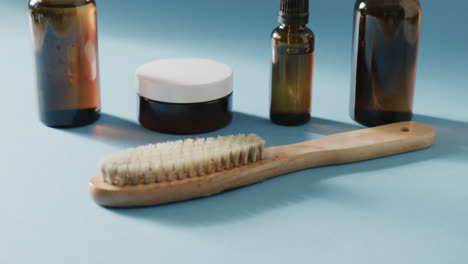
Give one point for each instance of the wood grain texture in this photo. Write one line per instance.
(348, 147)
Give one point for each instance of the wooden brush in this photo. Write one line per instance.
(182, 170)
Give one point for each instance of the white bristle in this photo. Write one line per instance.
(217, 159)
(261, 147)
(122, 174)
(188, 167)
(226, 159)
(207, 156)
(253, 151)
(210, 164)
(156, 172)
(133, 172)
(168, 168)
(145, 172)
(235, 155)
(244, 155)
(198, 165)
(179, 168)
(181, 159)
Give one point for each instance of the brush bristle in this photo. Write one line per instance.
(177, 160)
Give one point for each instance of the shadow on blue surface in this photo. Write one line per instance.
(451, 140)
(119, 132)
(126, 133)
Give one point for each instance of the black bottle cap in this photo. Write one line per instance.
(294, 12)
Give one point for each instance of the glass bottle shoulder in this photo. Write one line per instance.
(297, 34)
(410, 8)
(33, 3)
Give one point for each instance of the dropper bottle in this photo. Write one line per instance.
(292, 46)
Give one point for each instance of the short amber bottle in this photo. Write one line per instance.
(386, 35)
(64, 35)
(292, 46)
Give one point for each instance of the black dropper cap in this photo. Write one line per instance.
(294, 12)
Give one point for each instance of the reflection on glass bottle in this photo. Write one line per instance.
(292, 65)
(64, 37)
(386, 34)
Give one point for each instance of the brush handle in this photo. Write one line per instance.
(354, 146)
(348, 147)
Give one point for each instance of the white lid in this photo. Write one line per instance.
(184, 80)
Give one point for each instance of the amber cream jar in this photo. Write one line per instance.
(184, 95)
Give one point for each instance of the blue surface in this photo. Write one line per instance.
(405, 209)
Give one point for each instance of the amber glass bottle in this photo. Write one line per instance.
(64, 38)
(292, 65)
(386, 35)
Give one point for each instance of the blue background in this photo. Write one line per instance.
(410, 208)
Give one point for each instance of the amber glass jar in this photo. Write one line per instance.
(184, 95)
(385, 48)
(64, 38)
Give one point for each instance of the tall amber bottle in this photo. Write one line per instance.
(386, 35)
(64, 38)
(292, 46)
